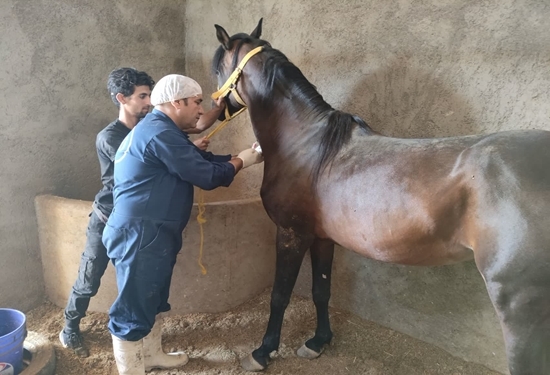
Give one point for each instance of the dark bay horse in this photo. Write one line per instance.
(329, 178)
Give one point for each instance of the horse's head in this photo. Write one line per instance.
(230, 59)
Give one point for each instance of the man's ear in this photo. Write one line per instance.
(121, 98)
(180, 103)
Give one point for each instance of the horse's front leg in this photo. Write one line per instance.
(322, 252)
(291, 247)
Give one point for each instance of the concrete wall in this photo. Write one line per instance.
(56, 56)
(411, 69)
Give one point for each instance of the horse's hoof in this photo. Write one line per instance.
(307, 353)
(248, 363)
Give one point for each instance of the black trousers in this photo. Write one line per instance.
(93, 264)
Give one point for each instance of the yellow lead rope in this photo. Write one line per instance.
(201, 219)
(225, 122)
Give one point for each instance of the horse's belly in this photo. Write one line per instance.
(398, 220)
(399, 242)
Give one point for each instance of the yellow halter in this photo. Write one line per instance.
(230, 86)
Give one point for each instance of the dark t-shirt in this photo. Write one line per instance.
(107, 143)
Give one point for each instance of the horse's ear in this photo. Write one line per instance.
(257, 31)
(223, 37)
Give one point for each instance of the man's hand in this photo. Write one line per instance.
(250, 157)
(202, 143)
(209, 118)
(219, 104)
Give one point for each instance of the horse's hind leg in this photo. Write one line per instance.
(521, 296)
(322, 252)
(291, 248)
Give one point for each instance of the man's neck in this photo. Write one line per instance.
(127, 119)
(168, 111)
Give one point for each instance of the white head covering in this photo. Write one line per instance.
(174, 87)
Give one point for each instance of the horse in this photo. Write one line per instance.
(331, 179)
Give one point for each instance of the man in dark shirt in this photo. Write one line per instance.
(130, 91)
(157, 167)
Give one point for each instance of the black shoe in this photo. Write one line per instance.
(73, 341)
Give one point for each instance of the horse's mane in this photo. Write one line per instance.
(279, 75)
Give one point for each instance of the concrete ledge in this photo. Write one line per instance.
(240, 259)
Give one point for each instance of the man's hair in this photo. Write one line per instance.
(125, 80)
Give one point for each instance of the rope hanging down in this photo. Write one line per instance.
(200, 202)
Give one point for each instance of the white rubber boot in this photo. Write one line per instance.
(128, 356)
(153, 354)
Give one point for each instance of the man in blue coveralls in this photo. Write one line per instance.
(130, 91)
(156, 168)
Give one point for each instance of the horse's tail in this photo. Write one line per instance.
(336, 134)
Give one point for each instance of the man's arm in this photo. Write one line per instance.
(185, 161)
(209, 118)
(237, 163)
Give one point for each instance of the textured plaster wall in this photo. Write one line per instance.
(421, 68)
(56, 56)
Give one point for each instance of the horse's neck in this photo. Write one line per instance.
(287, 120)
(282, 131)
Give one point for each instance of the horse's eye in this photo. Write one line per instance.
(217, 73)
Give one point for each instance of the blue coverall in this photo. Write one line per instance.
(156, 167)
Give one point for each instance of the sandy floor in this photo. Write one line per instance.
(215, 342)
